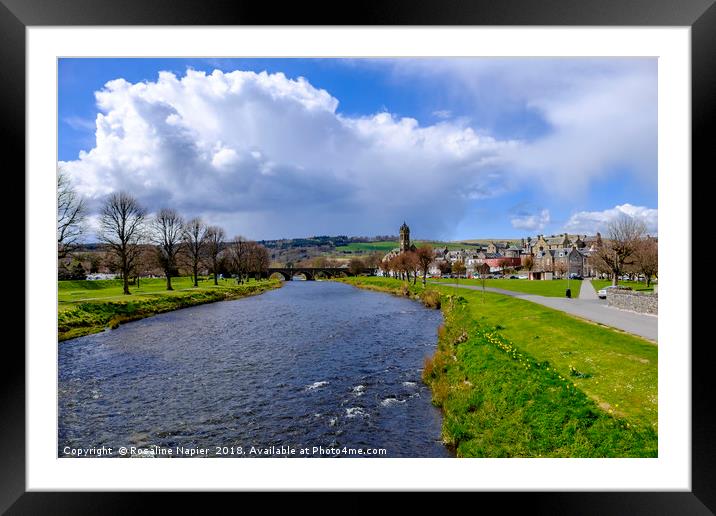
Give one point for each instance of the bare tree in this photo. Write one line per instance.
(167, 233)
(387, 266)
(483, 270)
(528, 262)
(355, 266)
(412, 265)
(238, 250)
(70, 215)
(504, 264)
(401, 266)
(445, 267)
(257, 259)
(121, 227)
(425, 256)
(646, 258)
(373, 260)
(215, 237)
(560, 268)
(195, 244)
(459, 268)
(623, 236)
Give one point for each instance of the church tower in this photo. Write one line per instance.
(404, 238)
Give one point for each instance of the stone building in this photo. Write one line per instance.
(404, 244)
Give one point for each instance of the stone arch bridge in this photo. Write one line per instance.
(310, 273)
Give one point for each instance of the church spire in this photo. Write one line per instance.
(404, 238)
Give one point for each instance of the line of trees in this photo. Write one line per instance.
(626, 250)
(133, 239)
(410, 264)
(71, 215)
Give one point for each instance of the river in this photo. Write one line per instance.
(310, 365)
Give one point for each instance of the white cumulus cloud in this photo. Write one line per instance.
(600, 115)
(592, 221)
(270, 157)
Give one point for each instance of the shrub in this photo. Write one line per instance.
(441, 389)
(430, 298)
(428, 369)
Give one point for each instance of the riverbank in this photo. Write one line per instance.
(87, 307)
(516, 379)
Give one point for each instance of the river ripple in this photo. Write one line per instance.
(309, 364)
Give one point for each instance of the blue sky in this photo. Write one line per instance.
(459, 148)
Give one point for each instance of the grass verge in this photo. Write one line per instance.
(552, 288)
(635, 285)
(511, 384)
(97, 312)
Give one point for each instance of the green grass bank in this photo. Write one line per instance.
(86, 307)
(516, 379)
(551, 288)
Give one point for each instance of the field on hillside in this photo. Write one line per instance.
(385, 246)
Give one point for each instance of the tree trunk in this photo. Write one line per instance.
(196, 278)
(425, 275)
(169, 281)
(216, 275)
(125, 274)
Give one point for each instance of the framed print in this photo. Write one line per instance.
(509, 176)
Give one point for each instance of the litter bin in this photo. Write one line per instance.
(568, 293)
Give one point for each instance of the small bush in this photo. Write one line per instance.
(441, 390)
(442, 332)
(430, 298)
(428, 369)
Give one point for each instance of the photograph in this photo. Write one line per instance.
(357, 257)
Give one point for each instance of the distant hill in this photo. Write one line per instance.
(340, 248)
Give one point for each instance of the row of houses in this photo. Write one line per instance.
(541, 257)
(562, 254)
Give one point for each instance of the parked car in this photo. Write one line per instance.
(514, 277)
(574, 275)
(602, 293)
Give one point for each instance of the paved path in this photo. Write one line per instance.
(595, 309)
(587, 291)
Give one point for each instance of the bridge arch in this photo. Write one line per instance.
(283, 275)
(305, 273)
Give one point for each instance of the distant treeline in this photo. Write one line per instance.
(322, 241)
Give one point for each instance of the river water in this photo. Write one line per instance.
(310, 365)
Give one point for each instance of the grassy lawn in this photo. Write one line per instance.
(86, 307)
(636, 285)
(518, 379)
(70, 293)
(553, 288)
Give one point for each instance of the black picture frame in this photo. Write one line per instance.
(700, 15)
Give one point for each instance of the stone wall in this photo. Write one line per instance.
(642, 302)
